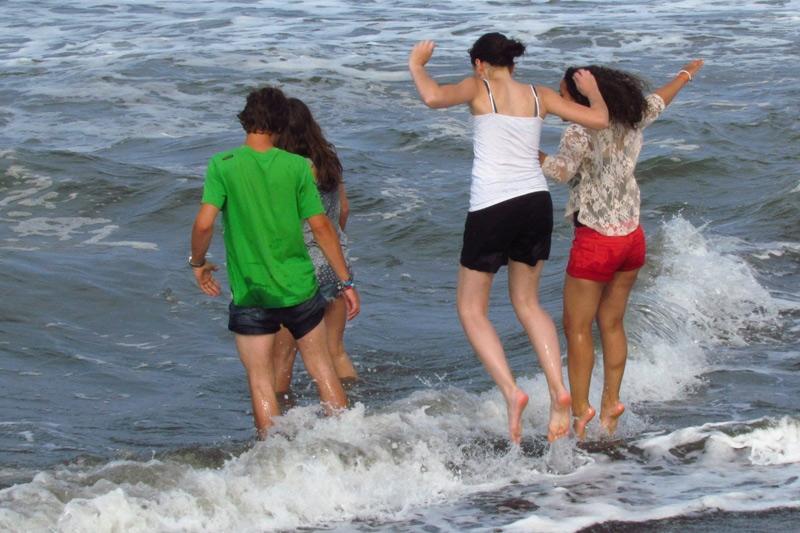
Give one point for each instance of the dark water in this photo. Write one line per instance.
(122, 402)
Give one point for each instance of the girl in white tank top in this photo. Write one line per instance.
(506, 167)
(506, 155)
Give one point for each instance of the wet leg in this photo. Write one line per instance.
(610, 316)
(523, 285)
(255, 354)
(335, 320)
(581, 300)
(314, 351)
(472, 299)
(285, 351)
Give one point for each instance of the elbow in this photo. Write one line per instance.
(321, 227)
(432, 100)
(203, 227)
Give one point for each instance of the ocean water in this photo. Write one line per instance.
(123, 406)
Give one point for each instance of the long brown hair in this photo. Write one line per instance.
(622, 91)
(303, 136)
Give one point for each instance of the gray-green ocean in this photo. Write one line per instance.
(123, 406)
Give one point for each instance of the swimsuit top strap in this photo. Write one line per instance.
(491, 96)
(536, 98)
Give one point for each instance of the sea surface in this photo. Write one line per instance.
(123, 406)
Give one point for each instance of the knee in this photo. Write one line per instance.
(469, 313)
(609, 324)
(576, 330)
(525, 305)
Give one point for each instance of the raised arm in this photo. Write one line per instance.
(430, 92)
(595, 116)
(684, 76)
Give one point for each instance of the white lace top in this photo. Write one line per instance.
(599, 166)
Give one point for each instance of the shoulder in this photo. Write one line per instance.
(288, 158)
(655, 102)
(225, 155)
(544, 91)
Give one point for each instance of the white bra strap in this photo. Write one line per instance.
(491, 96)
(536, 98)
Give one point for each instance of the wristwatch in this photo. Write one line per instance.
(196, 265)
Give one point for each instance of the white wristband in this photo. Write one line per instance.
(685, 72)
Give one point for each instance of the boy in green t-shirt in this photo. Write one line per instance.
(265, 194)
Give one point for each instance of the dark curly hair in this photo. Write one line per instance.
(265, 112)
(303, 136)
(496, 49)
(623, 93)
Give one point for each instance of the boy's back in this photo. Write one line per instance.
(264, 198)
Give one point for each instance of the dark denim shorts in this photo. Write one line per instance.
(298, 319)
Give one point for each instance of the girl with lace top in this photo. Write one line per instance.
(510, 217)
(609, 245)
(303, 136)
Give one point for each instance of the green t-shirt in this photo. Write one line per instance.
(264, 198)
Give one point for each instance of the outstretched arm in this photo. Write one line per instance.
(202, 231)
(430, 92)
(328, 240)
(595, 116)
(684, 76)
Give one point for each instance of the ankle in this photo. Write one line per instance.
(609, 403)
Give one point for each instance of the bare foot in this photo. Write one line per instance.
(519, 400)
(609, 416)
(559, 416)
(579, 425)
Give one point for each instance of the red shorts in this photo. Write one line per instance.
(598, 257)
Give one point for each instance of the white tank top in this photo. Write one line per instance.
(506, 156)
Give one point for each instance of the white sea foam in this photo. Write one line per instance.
(719, 293)
(399, 463)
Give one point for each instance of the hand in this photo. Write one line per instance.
(586, 83)
(692, 67)
(205, 279)
(421, 54)
(352, 301)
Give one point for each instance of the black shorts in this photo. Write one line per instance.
(518, 229)
(298, 319)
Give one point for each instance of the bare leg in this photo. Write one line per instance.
(523, 286)
(335, 320)
(615, 345)
(581, 300)
(254, 351)
(314, 350)
(472, 298)
(285, 351)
